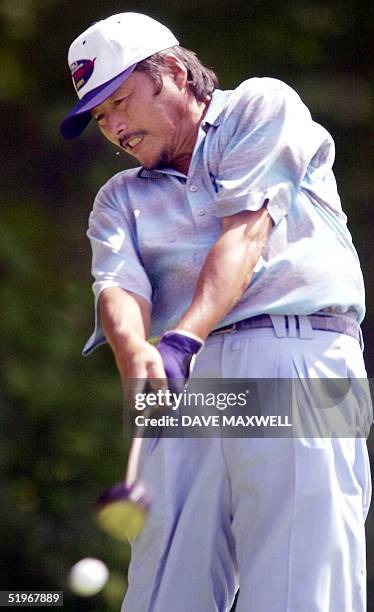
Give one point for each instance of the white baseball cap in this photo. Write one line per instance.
(104, 56)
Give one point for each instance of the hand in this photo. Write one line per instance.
(140, 366)
(139, 359)
(177, 349)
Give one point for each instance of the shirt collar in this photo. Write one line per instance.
(157, 174)
(216, 107)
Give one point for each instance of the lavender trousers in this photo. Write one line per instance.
(280, 519)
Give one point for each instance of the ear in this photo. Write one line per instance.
(176, 69)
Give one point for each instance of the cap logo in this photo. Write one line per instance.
(81, 70)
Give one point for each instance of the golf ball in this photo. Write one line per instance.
(88, 577)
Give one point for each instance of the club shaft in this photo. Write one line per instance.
(133, 460)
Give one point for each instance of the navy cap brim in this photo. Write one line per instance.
(80, 115)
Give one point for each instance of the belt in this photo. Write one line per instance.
(331, 323)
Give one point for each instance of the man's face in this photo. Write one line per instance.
(152, 128)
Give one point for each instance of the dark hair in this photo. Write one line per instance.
(202, 81)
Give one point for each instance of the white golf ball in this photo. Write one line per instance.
(88, 577)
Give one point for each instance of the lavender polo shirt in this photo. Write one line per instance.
(151, 231)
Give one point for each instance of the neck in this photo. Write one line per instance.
(182, 161)
(182, 164)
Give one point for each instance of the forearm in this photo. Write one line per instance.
(221, 284)
(123, 316)
(126, 321)
(226, 273)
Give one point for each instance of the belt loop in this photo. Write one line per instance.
(291, 326)
(279, 325)
(305, 327)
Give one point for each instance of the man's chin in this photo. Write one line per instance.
(163, 161)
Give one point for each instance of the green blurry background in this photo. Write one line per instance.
(60, 418)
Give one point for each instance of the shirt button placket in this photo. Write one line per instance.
(196, 202)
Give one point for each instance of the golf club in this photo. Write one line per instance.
(122, 509)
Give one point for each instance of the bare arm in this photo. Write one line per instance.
(125, 318)
(227, 270)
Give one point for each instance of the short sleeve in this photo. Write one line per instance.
(267, 140)
(116, 261)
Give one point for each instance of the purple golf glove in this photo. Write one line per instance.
(177, 349)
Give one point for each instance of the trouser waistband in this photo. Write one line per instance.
(331, 323)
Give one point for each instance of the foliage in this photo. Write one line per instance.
(61, 415)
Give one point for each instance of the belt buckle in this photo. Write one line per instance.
(227, 329)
